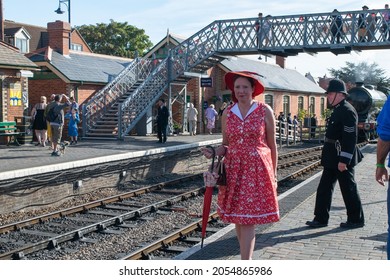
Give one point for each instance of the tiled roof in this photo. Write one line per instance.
(10, 58)
(275, 77)
(86, 67)
(39, 35)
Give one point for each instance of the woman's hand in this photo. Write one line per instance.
(207, 152)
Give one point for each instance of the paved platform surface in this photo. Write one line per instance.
(289, 239)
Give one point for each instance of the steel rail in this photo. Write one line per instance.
(79, 233)
(145, 252)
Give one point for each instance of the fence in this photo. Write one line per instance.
(291, 134)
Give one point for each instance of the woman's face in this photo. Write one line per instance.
(243, 89)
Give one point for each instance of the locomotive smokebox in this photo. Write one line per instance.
(367, 102)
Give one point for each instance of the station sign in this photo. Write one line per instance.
(206, 82)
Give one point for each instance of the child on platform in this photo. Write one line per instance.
(72, 127)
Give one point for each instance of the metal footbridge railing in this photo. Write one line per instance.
(336, 32)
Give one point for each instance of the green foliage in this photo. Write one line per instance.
(326, 114)
(115, 38)
(302, 113)
(362, 72)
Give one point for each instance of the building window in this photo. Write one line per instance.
(286, 104)
(322, 106)
(300, 103)
(22, 45)
(312, 108)
(77, 47)
(269, 100)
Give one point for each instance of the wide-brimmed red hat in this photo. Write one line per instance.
(231, 77)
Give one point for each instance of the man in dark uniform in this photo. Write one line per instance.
(339, 156)
(162, 121)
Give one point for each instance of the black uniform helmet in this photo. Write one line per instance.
(337, 85)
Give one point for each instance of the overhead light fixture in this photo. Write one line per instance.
(59, 11)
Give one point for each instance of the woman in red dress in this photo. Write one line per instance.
(249, 146)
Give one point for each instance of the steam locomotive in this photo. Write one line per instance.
(368, 102)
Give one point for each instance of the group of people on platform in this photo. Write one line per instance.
(250, 157)
(366, 27)
(162, 119)
(48, 120)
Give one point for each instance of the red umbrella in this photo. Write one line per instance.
(210, 180)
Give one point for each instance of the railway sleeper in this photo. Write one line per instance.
(38, 233)
(103, 213)
(102, 228)
(193, 240)
(118, 207)
(175, 249)
(79, 236)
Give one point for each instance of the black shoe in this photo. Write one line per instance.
(159, 142)
(352, 225)
(315, 224)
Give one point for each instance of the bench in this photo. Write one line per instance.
(8, 129)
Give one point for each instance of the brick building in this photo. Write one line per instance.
(76, 73)
(15, 69)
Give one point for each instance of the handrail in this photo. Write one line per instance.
(95, 108)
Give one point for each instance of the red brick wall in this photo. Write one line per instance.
(38, 88)
(85, 92)
(76, 39)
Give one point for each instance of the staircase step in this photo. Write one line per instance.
(97, 133)
(91, 137)
(107, 122)
(102, 130)
(108, 118)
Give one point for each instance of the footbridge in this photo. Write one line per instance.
(116, 109)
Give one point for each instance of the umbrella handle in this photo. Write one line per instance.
(212, 163)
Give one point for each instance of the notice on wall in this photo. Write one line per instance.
(15, 94)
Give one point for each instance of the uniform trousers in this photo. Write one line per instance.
(162, 132)
(349, 192)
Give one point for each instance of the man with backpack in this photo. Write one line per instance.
(55, 116)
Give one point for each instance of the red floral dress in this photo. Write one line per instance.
(250, 196)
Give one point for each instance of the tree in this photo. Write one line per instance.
(115, 38)
(362, 72)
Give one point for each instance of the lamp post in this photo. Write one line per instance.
(60, 12)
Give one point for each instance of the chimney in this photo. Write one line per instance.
(281, 61)
(59, 33)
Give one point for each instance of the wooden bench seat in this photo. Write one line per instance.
(9, 130)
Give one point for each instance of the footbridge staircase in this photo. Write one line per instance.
(115, 110)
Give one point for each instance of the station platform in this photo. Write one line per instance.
(28, 159)
(291, 239)
(288, 239)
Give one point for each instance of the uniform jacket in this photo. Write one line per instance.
(341, 137)
(162, 115)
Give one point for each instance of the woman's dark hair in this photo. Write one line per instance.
(252, 81)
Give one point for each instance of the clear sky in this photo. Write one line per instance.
(185, 18)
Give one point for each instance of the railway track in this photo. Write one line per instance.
(65, 231)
